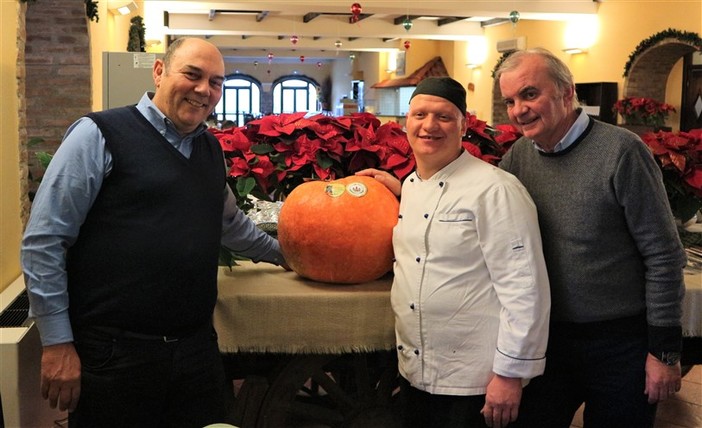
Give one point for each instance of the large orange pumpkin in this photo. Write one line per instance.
(339, 231)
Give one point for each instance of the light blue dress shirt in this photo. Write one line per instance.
(573, 133)
(67, 192)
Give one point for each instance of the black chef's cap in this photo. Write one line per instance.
(444, 87)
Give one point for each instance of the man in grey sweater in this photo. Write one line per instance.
(614, 258)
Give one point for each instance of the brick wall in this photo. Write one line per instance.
(57, 74)
(22, 115)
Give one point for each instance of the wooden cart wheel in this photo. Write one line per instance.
(350, 390)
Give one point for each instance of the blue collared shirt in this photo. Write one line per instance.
(67, 192)
(573, 133)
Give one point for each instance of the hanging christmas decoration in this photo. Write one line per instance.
(268, 71)
(355, 12)
(407, 23)
(302, 58)
(337, 44)
(319, 64)
(514, 17)
(407, 44)
(270, 57)
(352, 56)
(294, 39)
(255, 63)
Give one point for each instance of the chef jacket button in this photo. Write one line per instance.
(416, 352)
(441, 184)
(399, 347)
(426, 215)
(399, 216)
(412, 306)
(418, 259)
(394, 259)
(412, 180)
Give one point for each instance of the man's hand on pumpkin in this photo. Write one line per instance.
(384, 177)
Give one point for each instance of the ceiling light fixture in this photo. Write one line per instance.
(574, 51)
(125, 9)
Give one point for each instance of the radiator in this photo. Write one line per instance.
(20, 359)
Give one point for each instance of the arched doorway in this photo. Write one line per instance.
(646, 73)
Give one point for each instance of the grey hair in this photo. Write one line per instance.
(557, 70)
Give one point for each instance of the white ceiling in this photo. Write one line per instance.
(245, 28)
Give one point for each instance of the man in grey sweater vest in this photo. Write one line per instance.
(614, 258)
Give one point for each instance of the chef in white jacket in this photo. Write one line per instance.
(471, 293)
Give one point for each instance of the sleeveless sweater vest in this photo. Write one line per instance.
(147, 253)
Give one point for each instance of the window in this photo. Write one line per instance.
(241, 99)
(294, 94)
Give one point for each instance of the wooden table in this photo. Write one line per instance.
(307, 351)
(324, 352)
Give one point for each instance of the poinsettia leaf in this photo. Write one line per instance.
(244, 185)
(694, 178)
(323, 160)
(678, 160)
(262, 149)
(472, 149)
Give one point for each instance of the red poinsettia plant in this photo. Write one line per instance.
(643, 111)
(679, 155)
(268, 157)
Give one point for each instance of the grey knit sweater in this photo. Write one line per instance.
(611, 246)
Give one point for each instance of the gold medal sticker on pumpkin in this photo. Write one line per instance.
(334, 189)
(356, 189)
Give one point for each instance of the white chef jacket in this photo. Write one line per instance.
(470, 294)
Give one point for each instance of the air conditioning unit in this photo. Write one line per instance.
(21, 404)
(509, 45)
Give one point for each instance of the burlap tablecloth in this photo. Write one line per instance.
(692, 304)
(263, 308)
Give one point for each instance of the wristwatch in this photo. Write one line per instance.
(668, 358)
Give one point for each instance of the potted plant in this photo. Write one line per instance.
(643, 111)
(679, 155)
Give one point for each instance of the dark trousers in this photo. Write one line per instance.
(600, 364)
(129, 381)
(424, 410)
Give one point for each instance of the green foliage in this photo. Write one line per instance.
(137, 31)
(91, 10)
(44, 159)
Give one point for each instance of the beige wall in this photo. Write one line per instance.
(10, 206)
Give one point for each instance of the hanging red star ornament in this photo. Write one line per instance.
(294, 39)
(270, 57)
(355, 12)
(407, 44)
(302, 58)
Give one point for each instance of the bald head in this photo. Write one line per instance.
(189, 82)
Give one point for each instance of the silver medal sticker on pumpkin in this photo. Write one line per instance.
(334, 189)
(356, 189)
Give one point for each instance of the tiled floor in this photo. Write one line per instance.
(684, 410)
